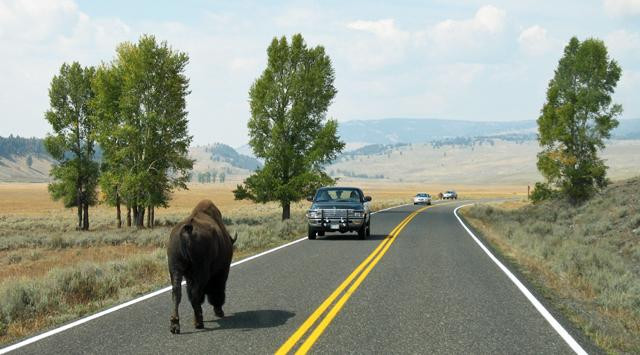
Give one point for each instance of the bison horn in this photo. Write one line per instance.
(233, 240)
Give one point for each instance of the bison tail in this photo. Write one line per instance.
(233, 240)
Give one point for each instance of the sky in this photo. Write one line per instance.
(453, 59)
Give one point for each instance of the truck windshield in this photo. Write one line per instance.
(338, 195)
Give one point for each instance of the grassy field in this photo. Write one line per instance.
(501, 163)
(586, 260)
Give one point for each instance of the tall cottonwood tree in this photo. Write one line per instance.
(577, 117)
(288, 125)
(72, 143)
(141, 102)
(106, 103)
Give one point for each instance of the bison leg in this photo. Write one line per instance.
(216, 292)
(196, 297)
(176, 295)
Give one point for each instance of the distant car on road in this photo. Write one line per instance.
(339, 209)
(450, 195)
(422, 198)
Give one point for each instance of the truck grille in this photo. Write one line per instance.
(331, 213)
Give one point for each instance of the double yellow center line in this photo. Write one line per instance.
(359, 275)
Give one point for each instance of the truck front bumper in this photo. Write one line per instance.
(341, 225)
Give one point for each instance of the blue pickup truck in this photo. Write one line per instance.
(339, 209)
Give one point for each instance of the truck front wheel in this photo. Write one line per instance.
(311, 233)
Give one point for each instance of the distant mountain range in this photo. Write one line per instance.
(223, 152)
(412, 130)
(384, 137)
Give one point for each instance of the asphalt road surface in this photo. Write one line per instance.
(425, 287)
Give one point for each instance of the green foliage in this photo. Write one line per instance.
(288, 125)
(577, 117)
(16, 145)
(72, 143)
(209, 177)
(541, 192)
(140, 100)
(29, 161)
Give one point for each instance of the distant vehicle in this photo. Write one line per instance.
(339, 209)
(422, 198)
(450, 195)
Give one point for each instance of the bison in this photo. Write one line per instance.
(200, 250)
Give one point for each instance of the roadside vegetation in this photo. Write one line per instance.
(576, 120)
(585, 259)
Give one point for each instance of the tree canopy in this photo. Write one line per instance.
(141, 103)
(72, 143)
(288, 127)
(576, 119)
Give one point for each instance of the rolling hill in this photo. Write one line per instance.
(398, 150)
(411, 130)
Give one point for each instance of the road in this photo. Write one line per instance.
(429, 289)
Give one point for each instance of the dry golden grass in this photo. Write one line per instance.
(32, 199)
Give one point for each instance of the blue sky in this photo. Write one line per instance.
(472, 60)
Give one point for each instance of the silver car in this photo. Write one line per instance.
(422, 198)
(450, 195)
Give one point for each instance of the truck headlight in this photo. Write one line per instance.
(314, 214)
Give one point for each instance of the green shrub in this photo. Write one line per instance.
(542, 192)
(20, 299)
(82, 284)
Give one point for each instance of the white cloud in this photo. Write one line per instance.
(464, 36)
(622, 8)
(36, 37)
(33, 20)
(534, 40)
(384, 29)
(388, 44)
(623, 43)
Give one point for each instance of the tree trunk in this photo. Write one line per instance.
(85, 217)
(79, 215)
(149, 217)
(128, 216)
(135, 215)
(140, 217)
(118, 216)
(152, 212)
(286, 210)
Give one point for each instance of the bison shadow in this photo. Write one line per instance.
(248, 320)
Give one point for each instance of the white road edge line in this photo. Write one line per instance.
(145, 297)
(573, 344)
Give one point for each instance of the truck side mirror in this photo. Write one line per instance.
(310, 198)
(367, 198)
